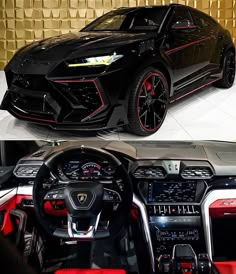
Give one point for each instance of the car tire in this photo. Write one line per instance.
(228, 71)
(148, 102)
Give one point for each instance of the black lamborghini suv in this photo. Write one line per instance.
(123, 69)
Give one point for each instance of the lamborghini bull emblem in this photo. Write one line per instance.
(82, 197)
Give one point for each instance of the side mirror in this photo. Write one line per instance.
(183, 25)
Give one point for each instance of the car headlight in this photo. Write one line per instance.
(96, 61)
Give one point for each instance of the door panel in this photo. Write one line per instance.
(182, 47)
(189, 51)
(207, 28)
(184, 53)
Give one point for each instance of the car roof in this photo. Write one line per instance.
(148, 7)
(130, 9)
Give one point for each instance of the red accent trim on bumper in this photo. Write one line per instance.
(33, 118)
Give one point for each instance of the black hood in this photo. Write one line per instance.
(80, 44)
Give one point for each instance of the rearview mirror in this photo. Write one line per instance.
(183, 25)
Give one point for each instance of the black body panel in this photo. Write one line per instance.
(48, 85)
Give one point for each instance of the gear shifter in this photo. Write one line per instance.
(184, 259)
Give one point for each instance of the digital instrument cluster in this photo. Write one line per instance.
(82, 169)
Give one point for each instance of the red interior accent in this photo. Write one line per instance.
(48, 205)
(20, 197)
(16, 201)
(49, 209)
(186, 267)
(6, 207)
(221, 208)
(134, 213)
(226, 267)
(90, 271)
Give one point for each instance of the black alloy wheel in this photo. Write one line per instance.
(228, 71)
(148, 103)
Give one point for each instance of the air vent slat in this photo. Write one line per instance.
(38, 153)
(150, 172)
(197, 172)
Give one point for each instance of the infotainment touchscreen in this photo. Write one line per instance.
(172, 192)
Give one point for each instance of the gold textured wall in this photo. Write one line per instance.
(22, 21)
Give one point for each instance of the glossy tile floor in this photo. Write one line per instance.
(209, 114)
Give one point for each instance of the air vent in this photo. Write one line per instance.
(38, 153)
(150, 172)
(196, 172)
(26, 171)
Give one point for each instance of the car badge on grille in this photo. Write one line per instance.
(82, 198)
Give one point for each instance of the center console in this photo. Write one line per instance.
(184, 261)
(174, 213)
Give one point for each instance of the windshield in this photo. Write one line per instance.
(128, 20)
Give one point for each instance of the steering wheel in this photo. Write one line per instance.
(87, 203)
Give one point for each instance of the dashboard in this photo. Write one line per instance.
(174, 186)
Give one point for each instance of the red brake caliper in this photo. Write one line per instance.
(148, 87)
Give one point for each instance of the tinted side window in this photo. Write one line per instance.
(202, 20)
(149, 17)
(181, 14)
(208, 21)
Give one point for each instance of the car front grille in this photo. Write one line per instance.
(31, 82)
(36, 95)
(31, 104)
(84, 95)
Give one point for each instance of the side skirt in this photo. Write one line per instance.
(192, 88)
